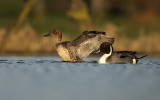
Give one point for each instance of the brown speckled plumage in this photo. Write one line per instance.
(87, 43)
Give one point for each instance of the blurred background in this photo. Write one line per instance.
(134, 23)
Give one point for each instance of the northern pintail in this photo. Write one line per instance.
(74, 51)
(119, 57)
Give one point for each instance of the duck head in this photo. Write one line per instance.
(106, 48)
(55, 33)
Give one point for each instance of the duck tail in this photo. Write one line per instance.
(141, 57)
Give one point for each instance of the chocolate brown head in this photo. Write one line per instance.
(105, 47)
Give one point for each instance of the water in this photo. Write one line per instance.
(47, 78)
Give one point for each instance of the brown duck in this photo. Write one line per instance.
(74, 51)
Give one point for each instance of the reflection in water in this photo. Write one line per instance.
(46, 78)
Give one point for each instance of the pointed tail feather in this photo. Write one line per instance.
(141, 57)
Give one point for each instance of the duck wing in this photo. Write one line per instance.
(124, 54)
(131, 54)
(89, 42)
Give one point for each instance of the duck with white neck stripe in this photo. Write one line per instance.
(119, 57)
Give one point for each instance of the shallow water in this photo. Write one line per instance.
(47, 78)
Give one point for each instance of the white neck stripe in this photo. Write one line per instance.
(102, 60)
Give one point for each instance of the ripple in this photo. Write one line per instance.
(48, 78)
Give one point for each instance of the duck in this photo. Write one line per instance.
(117, 57)
(85, 44)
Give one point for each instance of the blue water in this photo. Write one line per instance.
(47, 78)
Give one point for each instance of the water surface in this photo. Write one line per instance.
(47, 78)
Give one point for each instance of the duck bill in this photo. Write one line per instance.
(49, 34)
